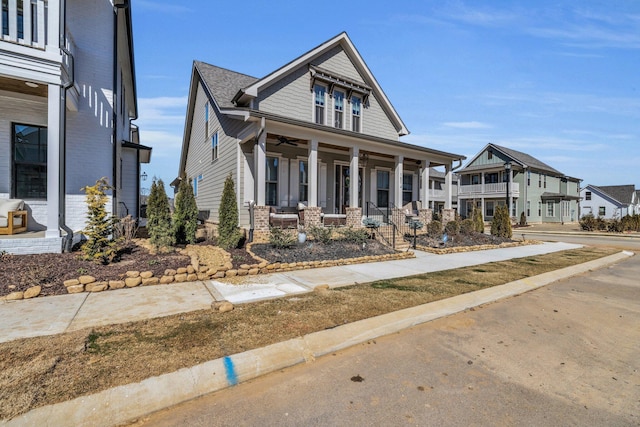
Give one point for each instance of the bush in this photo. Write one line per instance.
(125, 230)
(415, 224)
(631, 222)
(371, 223)
(588, 222)
(523, 219)
(452, 228)
(467, 226)
(228, 233)
(185, 216)
(354, 235)
(478, 221)
(100, 246)
(320, 234)
(434, 229)
(501, 224)
(615, 226)
(159, 216)
(279, 238)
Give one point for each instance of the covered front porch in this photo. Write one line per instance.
(291, 170)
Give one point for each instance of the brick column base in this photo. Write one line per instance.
(425, 215)
(354, 217)
(397, 216)
(261, 218)
(312, 217)
(448, 215)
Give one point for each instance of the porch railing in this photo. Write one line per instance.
(492, 188)
(24, 22)
(386, 231)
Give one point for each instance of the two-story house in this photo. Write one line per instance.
(609, 201)
(502, 176)
(318, 132)
(67, 99)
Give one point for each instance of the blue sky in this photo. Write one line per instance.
(559, 80)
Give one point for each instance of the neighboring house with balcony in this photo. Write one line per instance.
(501, 176)
(67, 99)
(610, 201)
(296, 137)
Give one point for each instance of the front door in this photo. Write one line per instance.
(343, 182)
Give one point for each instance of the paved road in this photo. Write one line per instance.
(566, 354)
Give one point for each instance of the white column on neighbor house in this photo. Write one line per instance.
(53, 24)
(424, 189)
(54, 116)
(398, 172)
(353, 172)
(510, 207)
(260, 156)
(448, 192)
(313, 173)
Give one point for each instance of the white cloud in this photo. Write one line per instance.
(162, 7)
(467, 125)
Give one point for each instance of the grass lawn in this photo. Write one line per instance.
(45, 370)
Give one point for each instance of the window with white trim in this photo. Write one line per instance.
(271, 181)
(551, 209)
(196, 181)
(338, 109)
(488, 206)
(382, 189)
(214, 146)
(319, 95)
(356, 106)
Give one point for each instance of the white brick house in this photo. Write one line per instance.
(296, 136)
(67, 98)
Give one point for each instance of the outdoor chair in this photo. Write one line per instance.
(13, 217)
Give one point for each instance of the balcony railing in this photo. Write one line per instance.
(441, 194)
(24, 22)
(499, 188)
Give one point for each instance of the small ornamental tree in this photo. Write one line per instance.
(185, 215)
(228, 234)
(501, 224)
(478, 221)
(100, 245)
(159, 216)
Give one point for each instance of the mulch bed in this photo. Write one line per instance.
(470, 239)
(313, 251)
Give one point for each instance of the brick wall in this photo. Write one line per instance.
(31, 245)
(312, 217)
(261, 218)
(354, 217)
(426, 215)
(448, 215)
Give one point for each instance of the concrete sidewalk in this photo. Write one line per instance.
(64, 313)
(120, 405)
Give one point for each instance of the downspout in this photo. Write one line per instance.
(114, 117)
(67, 242)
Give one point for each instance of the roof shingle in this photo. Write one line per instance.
(222, 83)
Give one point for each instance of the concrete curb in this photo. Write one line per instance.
(121, 404)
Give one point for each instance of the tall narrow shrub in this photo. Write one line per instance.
(478, 221)
(185, 215)
(228, 234)
(100, 245)
(501, 224)
(159, 216)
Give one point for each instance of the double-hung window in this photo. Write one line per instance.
(587, 195)
(272, 181)
(303, 181)
(196, 183)
(383, 189)
(214, 146)
(407, 188)
(319, 97)
(356, 106)
(338, 111)
(550, 209)
(29, 158)
(602, 210)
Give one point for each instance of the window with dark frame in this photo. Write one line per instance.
(602, 210)
(29, 162)
(587, 195)
(214, 146)
(383, 189)
(407, 188)
(271, 181)
(303, 190)
(356, 105)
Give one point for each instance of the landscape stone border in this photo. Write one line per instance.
(460, 249)
(195, 272)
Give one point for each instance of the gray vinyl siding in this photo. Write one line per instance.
(292, 96)
(199, 159)
(129, 191)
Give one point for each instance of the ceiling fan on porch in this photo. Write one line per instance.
(284, 140)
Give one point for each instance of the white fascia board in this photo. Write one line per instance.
(42, 69)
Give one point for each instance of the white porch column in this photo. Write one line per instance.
(313, 173)
(260, 156)
(510, 191)
(424, 191)
(397, 194)
(448, 179)
(54, 116)
(353, 173)
(53, 24)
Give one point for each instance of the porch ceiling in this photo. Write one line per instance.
(15, 85)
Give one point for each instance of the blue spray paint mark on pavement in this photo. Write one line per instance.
(232, 378)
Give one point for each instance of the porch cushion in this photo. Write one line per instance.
(17, 221)
(8, 205)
